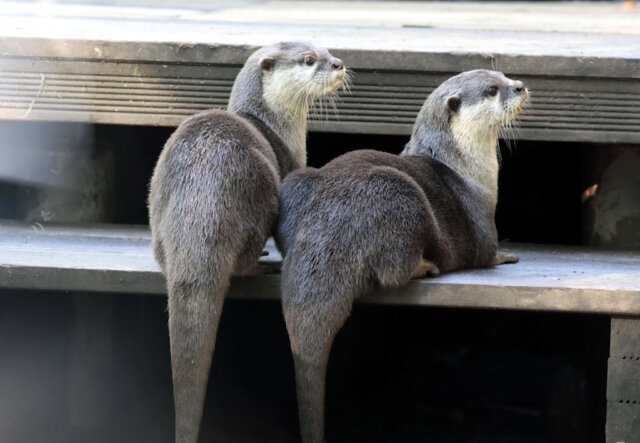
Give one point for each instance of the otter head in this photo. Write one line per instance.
(285, 78)
(460, 121)
(294, 74)
(278, 84)
(471, 107)
(479, 103)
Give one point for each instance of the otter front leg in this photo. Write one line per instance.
(504, 257)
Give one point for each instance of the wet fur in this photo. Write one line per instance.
(214, 199)
(371, 219)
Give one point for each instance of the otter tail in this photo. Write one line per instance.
(317, 294)
(198, 266)
(194, 306)
(193, 326)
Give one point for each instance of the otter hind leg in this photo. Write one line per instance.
(158, 252)
(425, 268)
(255, 229)
(504, 257)
(247, 264)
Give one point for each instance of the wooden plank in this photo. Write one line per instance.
(119, 259)
(88, 64)
(341, 25)
(623, 422)
(623, 390)
(148, 92)
(533, 16)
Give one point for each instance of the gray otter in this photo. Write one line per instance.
(214, 199)
(371, 219)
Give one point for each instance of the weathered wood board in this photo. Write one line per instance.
(119, 259)
(623, 387)
(155, 66)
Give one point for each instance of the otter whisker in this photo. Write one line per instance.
(331, 99)
(320, 109)
(347, 81)
(507, 136)
(515, 129)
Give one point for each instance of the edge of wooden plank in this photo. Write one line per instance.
(425, 293)
(223, 54)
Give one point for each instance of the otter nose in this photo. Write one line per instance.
(518, 87)
(337, 64)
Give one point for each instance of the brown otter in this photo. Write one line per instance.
(214, 199)
(370, 219)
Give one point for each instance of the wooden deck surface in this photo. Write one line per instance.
(516, 28)
(158, 65)
(119, 259)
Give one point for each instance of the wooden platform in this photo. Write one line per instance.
(141, 65)
(156, 66)
(119, 259)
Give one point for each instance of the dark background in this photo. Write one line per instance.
(396, 374)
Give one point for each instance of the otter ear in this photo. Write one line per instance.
(453, 103)
(266, 63)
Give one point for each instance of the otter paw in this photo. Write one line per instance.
(504, 257)
(425, 269)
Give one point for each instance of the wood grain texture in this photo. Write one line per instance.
(119, 259)
(156, 66)
(346, 25)
(623, 391)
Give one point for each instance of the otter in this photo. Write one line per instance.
(372, 219)
(213, 200)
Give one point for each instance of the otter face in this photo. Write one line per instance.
(481, 102)
(294, 74)
(460, 121)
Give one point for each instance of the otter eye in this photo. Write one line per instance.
(309, 61)
(492, 91)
